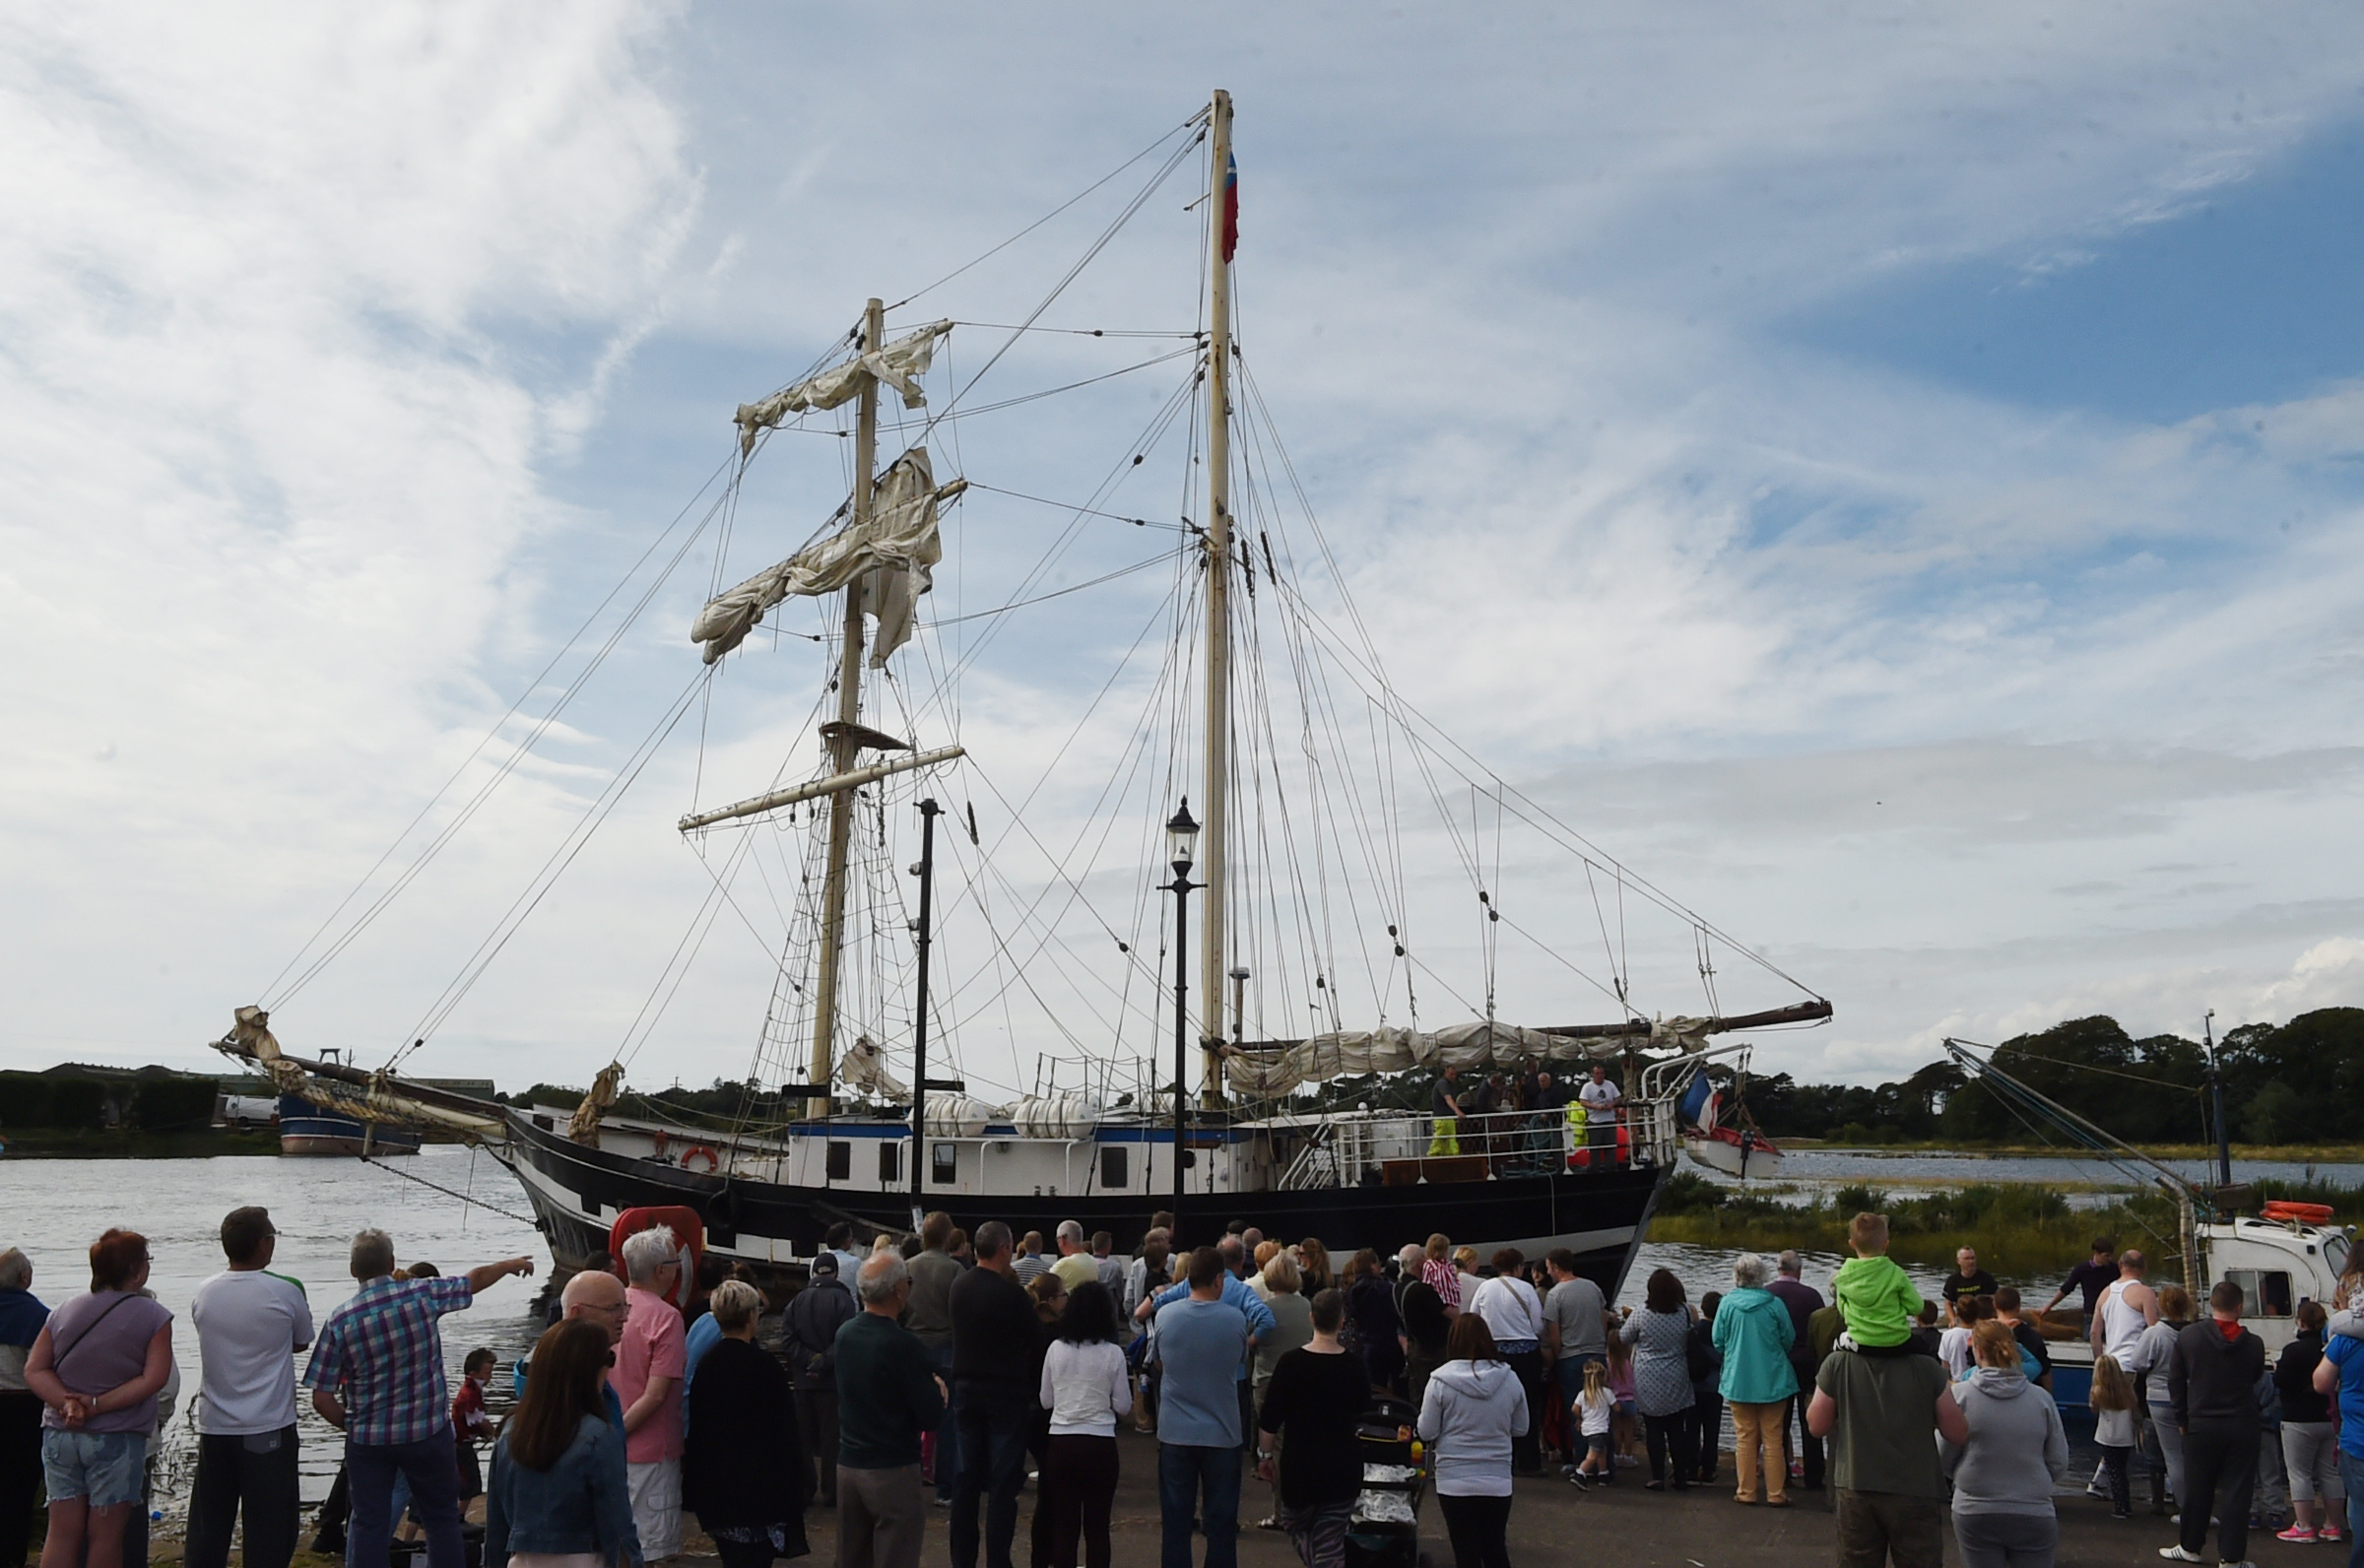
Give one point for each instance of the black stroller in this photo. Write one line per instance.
(1386, 1530)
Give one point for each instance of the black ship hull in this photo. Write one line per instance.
(577, 1192)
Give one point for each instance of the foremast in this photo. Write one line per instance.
(844, 736)
(1212, 955)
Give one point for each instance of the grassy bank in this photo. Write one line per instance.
(2019, 1229)
(2302, 1154)
(42, 1143)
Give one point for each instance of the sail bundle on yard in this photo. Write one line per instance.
(1270, 1071)
(894, 553)
(900, 364)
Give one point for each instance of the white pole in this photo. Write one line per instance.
(1212, 955)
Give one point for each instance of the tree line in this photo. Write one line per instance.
(2296, 1083)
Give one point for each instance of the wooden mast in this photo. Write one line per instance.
(844, 734)
(1213, 954)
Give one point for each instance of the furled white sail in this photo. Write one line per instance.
(894, 551)
(899, 366)
(1269, 1073)
(863, 1068)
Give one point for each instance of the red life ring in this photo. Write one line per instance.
(2305, 1213)
(696, 1151)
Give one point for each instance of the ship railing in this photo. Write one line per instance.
(1318, 1163)
(1656, 1137)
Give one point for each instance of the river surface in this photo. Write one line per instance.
(318, 1204)
(1808, 1174)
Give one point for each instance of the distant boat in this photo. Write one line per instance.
(307, 1128)
(1716, 1143)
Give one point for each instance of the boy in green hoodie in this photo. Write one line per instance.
(1875, 1296)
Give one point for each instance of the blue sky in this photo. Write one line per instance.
(1890, 475)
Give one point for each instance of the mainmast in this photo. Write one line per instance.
(844, 736)
(1212, 955)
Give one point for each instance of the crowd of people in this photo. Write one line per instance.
(964, 1366)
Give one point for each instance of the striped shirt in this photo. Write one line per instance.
(1439, 1275)
(380, 1351)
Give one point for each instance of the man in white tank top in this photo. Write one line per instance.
(2126, 1307)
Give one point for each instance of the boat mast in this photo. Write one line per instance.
(843, 735)
(1211, 952)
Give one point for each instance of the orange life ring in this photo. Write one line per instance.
(713, 1160)
(2306, 1213)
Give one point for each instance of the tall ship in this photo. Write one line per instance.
(1242, 910)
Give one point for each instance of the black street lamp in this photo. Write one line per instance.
(1182, 848)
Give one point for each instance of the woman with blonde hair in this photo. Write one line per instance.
(2003, 1471)
(1293, 1319)
(2114, 1400)
(743, 1465)
(1266, 1252)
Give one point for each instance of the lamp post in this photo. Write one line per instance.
(1182, 848)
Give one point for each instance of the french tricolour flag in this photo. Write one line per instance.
(1231, 205)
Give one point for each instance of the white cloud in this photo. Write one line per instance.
(341, 353)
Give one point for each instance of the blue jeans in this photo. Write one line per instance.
(992, 1420)
(107, 1469)
(2351, 1477)
(1191, 1478)
(432, 1467)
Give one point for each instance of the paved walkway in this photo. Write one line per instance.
(1552, 1524)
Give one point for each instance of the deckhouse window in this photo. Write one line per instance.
(840, 1164)
(2265, 1292)
(891, 1163)
(1112, 1167)
(944, 1160)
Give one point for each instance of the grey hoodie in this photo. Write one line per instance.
(1467, 1418)
(2017, 1445)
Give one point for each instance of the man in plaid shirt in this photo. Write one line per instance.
(377, 1375)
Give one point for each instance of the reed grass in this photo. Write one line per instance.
(2021, 1230)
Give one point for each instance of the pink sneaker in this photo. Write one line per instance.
(2327, 1533)
(2297, 1535)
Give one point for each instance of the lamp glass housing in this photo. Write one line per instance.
(1182, 840)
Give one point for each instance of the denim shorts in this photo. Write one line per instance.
(107, 1468)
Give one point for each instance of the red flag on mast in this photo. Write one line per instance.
(1231, 205)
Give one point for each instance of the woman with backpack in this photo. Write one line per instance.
(814, 1315)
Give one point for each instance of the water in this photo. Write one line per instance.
(317, 1205)
(1947, 1169)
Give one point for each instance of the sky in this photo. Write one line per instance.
(1891, 476)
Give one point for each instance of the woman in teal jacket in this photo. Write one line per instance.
(1753, 1331)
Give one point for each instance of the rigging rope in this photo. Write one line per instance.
(465, 1198)
(517, 756)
